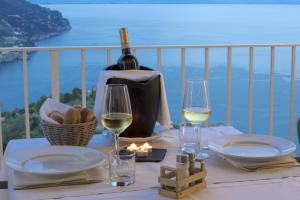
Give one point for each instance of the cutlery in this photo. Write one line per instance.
(70, 183)
(263, 167)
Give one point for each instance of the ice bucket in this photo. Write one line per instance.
(145, 99)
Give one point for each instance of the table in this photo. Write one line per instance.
(224, 181)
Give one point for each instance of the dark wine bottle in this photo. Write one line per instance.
(127, 61)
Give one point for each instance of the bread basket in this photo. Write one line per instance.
(69, 134)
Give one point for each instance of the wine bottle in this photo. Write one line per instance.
(127, 61)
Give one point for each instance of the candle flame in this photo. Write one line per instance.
(132, 147)
(147, 146)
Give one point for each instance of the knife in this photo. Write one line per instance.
(4, 184)
(47, 185)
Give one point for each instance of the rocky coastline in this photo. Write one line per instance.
(23, 23)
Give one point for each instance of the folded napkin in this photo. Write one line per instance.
(23, 181)
(52, 105)
(282, 162)
(135, 75)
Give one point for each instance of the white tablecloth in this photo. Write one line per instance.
(224, 181)
(275, 189)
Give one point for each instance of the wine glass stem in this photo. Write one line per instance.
(201, 155)
(198, 136)
(117, 148)
(117, 143)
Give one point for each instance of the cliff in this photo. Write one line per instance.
(22, 23)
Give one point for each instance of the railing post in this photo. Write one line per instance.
(206, 71)
(251, 58)
(108, 56)
(159, 59)
(83, 79)
(229, 53)
(26, 96)
(291, 130)
(183, 76)
(54, 74)
(206, 62)
(271, 100)
(1, 137)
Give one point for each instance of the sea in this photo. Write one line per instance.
(177, 24)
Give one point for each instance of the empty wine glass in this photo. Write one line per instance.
(116, 113)
(196, 108)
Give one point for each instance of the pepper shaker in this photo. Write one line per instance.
(192, 158)
(182, 166)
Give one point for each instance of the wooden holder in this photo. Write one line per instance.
(170, 186)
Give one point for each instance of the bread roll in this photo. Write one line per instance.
(86, 115)
(57, 116)
(72, 116)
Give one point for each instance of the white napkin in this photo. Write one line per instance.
(136, 75)
(52, 105)
(22, 180)
(282, 162)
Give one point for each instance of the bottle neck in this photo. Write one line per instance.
(124, 41)
(126, 50)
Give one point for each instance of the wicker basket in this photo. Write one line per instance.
(69, 134)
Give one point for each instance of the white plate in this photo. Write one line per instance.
(54, 160)
(158, 133)
(252, 147)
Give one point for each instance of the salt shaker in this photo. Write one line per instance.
(182, 166)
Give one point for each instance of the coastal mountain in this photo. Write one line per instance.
(23, 23)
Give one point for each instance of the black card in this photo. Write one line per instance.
(157, 155)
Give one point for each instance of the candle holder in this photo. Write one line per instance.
(145, 153)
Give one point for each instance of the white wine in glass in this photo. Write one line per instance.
(116, 122)
(196, 107)
(196, 115)
(116, 113)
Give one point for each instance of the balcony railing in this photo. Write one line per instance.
(55, 88)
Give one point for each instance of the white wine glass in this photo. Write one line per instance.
(196, 108)
(116, 113)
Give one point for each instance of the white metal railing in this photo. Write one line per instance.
(54, 56)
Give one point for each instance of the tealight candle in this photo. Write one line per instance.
(147, 147)
(142, 152)
(132, 147)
